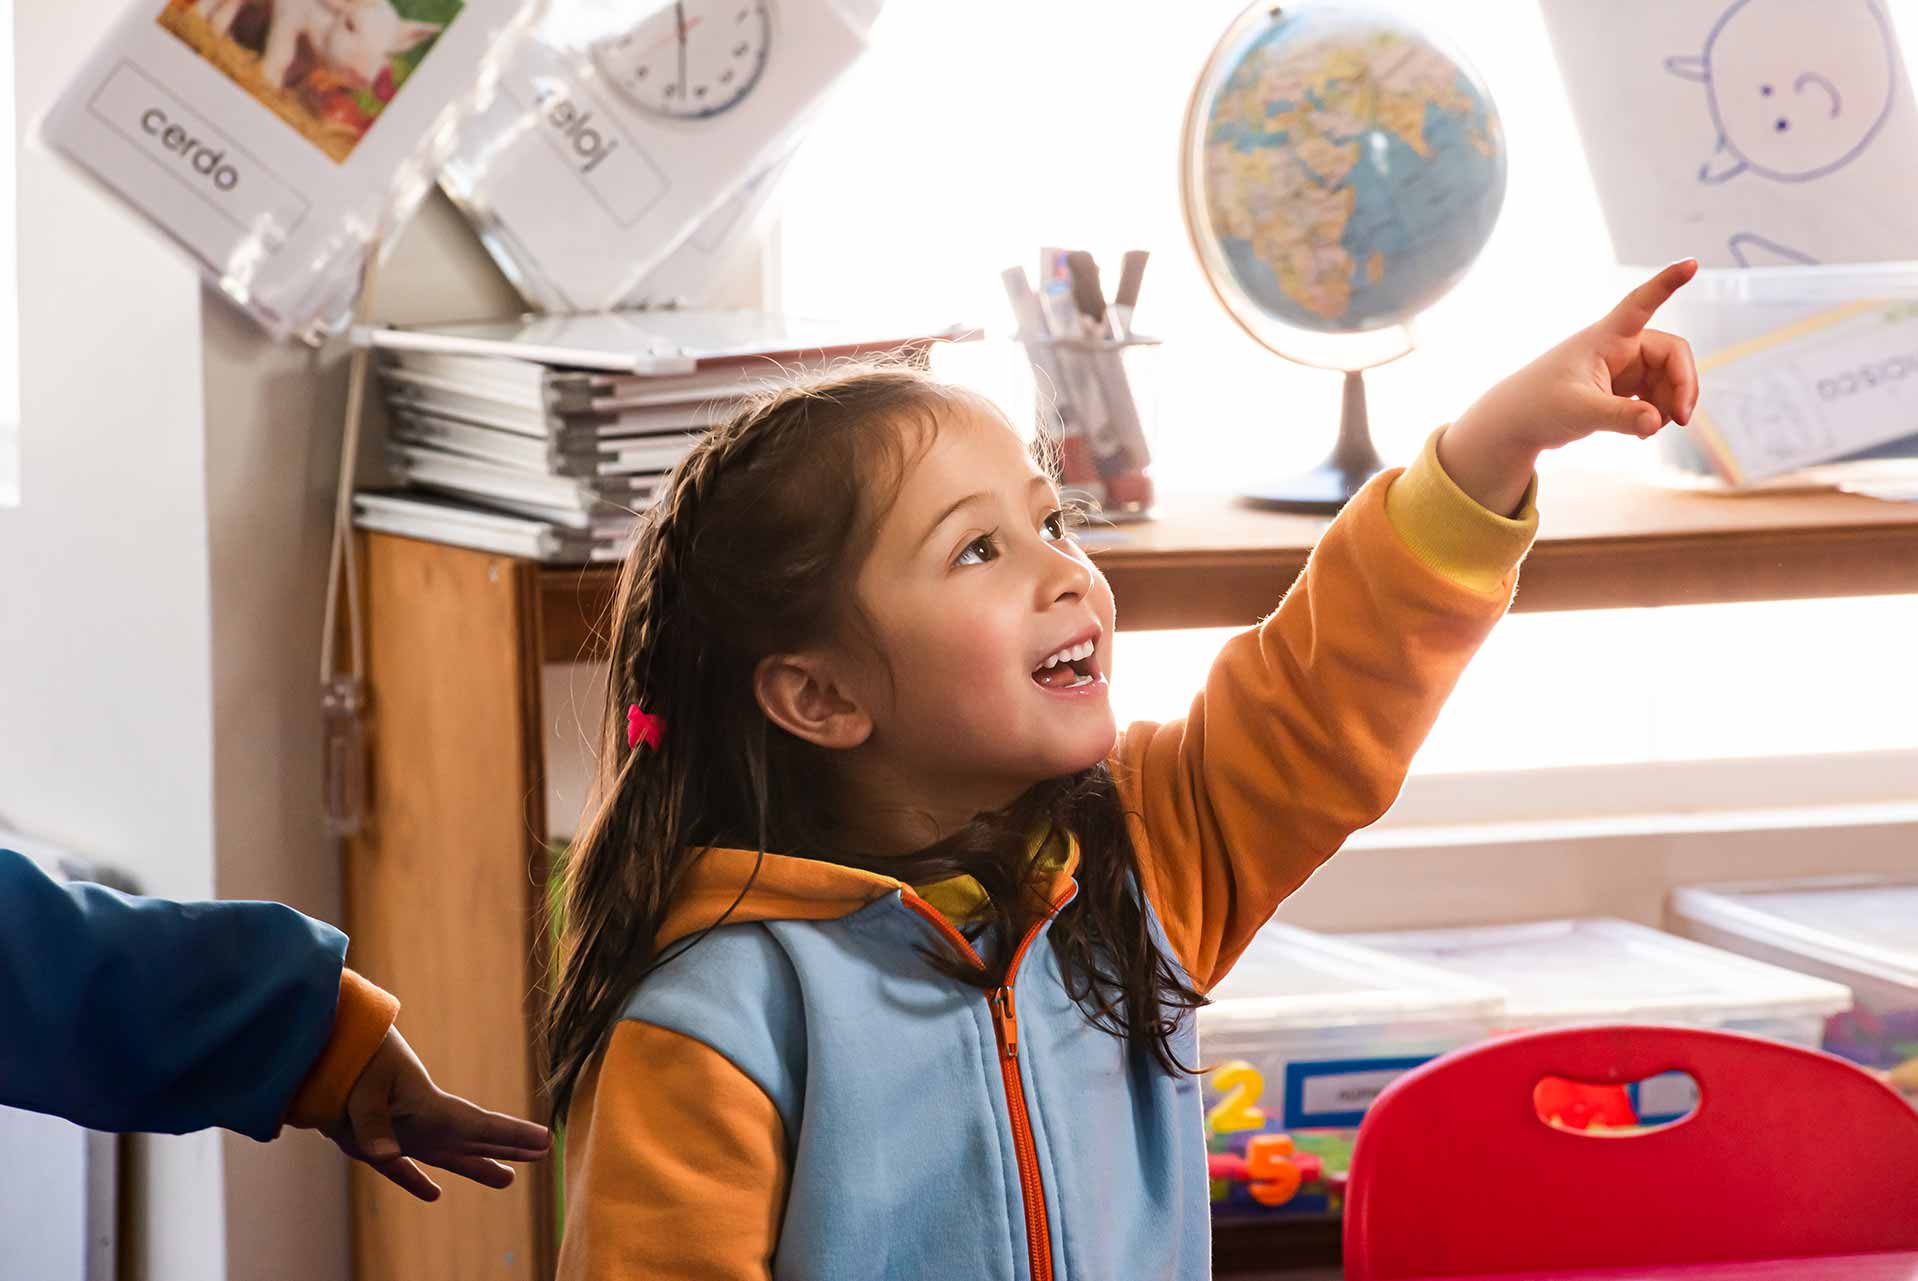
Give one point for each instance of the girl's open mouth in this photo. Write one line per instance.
(1069, 674)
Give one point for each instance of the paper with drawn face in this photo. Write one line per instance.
(1745, 133)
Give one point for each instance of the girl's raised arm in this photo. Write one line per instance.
(1308, 723)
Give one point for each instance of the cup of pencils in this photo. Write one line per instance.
(1092, 370)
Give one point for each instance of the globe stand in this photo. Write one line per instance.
(1329, 486)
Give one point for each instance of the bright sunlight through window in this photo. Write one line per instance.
(969, 140)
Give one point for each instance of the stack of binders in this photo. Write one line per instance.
(552, 452)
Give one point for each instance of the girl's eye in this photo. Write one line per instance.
(986, 545)
(1065, 520)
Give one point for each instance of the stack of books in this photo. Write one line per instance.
(548, 437)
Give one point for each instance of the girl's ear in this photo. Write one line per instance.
(801, 694)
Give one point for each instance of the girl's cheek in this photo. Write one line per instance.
(971, 669)
(972, 658)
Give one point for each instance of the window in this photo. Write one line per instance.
(1606, 687)
(964, 145)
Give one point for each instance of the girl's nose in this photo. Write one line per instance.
(1064, 575)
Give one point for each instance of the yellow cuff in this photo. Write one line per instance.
(1450, 532)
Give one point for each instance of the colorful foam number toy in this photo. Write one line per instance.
(1274, 1171)
(1239, 1110)
(1271, 1169)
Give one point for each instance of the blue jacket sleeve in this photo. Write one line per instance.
(126, 1013)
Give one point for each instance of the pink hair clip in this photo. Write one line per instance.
(643, 727)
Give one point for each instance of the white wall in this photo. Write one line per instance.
(105, 681)
(9, 286)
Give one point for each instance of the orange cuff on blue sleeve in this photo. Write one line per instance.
(360, 1022)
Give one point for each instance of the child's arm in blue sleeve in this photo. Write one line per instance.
(125, 1013)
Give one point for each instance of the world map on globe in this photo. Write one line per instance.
(1352, 169)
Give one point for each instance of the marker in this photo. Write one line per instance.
(1086, 292)
(1131, 274)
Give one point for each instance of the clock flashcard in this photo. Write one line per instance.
(271, 139)
(619, 131)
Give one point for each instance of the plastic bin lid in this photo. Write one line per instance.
(1292, 978)
(1868, 924)
(1602, 970)
(1835, 284)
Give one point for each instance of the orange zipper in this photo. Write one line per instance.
(1005, 1022)
(1038, 1231)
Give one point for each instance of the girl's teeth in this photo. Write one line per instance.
(1073, 655)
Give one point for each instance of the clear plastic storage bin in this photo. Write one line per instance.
(1301, 1037)
(1861, 931)
(1725, 307)
(1599, 970)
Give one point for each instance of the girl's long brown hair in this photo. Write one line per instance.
(748, 552)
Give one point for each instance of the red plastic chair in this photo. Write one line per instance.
(1790, 1154)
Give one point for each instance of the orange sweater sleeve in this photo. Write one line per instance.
(360, 1022)
(675, 1165)
(1302, 734)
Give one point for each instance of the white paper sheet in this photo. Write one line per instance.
(692, 269)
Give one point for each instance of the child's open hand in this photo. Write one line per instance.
(1615, 375)
(395, 1112)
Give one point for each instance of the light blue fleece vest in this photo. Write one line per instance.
(899, 1135)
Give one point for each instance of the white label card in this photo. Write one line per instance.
(1839, 382)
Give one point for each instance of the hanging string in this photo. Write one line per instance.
(343, 696)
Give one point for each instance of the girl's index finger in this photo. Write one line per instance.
(1637, 308)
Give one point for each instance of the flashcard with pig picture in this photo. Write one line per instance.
(273, 139)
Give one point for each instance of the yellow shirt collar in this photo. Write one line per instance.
(960, 898)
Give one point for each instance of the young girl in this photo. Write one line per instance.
(882, 943)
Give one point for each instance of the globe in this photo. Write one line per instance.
(1341, 170)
